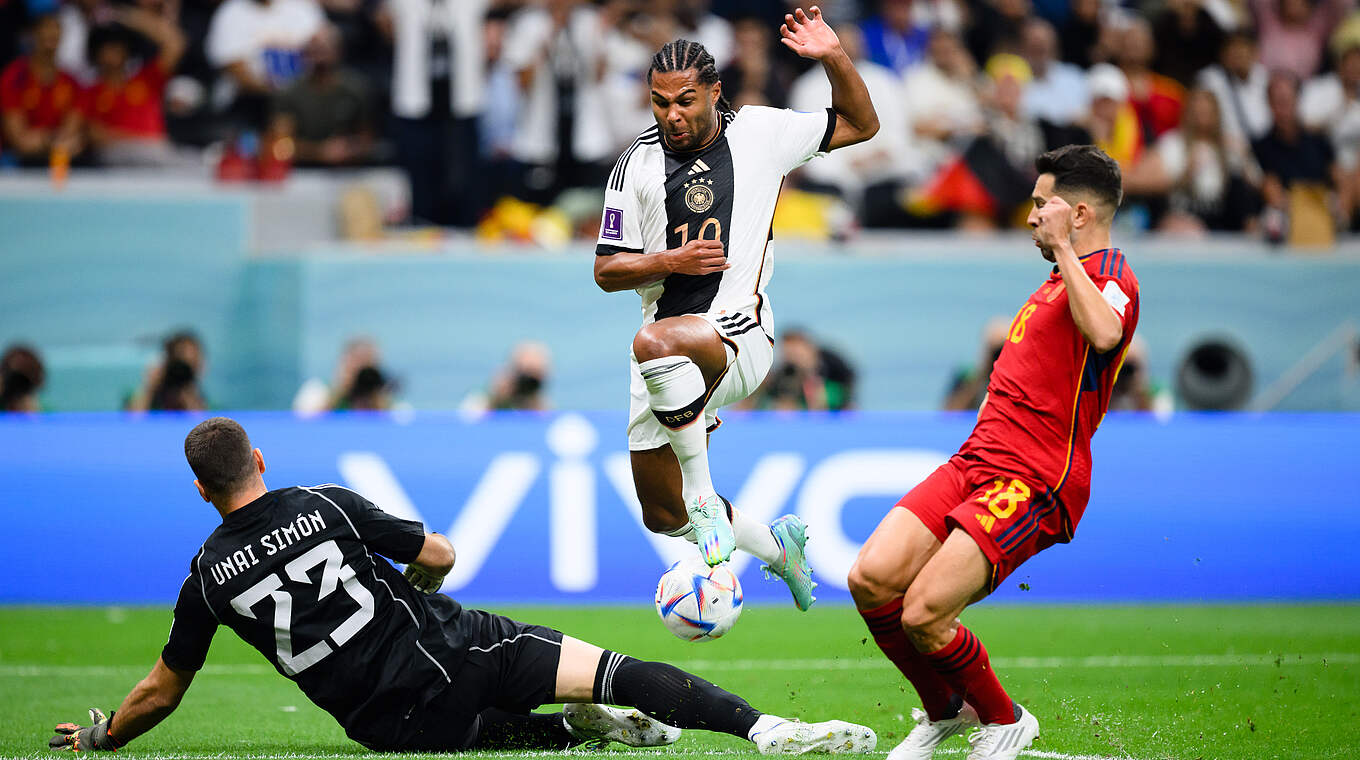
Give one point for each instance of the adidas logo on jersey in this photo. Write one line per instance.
(699, 167)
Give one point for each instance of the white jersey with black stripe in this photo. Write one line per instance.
(658, 199)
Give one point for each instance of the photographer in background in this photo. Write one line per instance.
(171, 384)
(519, 384)
(21, 377)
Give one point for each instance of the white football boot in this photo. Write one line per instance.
(920, 744)
(832, 737)
(601, 723)
(712, 528)
(997, 741)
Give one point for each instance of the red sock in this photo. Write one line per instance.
(885, 623)
(964, 665)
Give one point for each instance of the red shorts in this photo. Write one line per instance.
(1010, 517)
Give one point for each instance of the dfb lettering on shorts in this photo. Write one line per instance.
(612, 229)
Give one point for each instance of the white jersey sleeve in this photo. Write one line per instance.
(621, 225)
(795, 137)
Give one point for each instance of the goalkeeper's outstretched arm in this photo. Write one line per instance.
(149, 703)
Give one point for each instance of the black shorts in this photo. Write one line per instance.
(511, 666)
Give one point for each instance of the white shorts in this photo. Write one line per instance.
(749, 356)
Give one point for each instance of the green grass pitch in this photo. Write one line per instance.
(1143, 682)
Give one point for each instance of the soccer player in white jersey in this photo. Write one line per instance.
(687, 223)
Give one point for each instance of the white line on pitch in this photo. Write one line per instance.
(18, 670)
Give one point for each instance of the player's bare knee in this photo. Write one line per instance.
(865, 588)
(653, 342)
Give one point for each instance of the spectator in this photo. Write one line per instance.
(1294, 32)
(1299, 166)
(257, 44)
(520, 384)
(969, 385)
(694, 20)
(1238, 82)
(127, 124)
(997, 27)
(755, 77)
(1331, 104)
(21, 377)
(1187, 39)
(327, 113)
(1206, 175)
(562, 137)
(171, 383)
(1057, 93)
(894, 38)
(1080, 32)
(941, 99)
(438, 93)
(1112, 123)
(39, 103)
(807, 376)
(77, 18)
(1156, 99)
(869, 175)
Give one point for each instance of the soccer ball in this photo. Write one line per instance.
(697, 602)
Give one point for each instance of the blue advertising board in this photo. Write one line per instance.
(101, 508)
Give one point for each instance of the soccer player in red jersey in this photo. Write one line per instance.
(1020, 482)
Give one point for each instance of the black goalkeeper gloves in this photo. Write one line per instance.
(423, 580)
(91, 738)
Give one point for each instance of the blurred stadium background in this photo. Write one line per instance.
(376, 253)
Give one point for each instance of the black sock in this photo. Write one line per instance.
(497, 729)
(671, 695)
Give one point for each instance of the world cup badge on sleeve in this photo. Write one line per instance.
(612, 229)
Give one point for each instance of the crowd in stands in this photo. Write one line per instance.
(1239, 115)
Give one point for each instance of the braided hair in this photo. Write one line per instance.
(682, 55)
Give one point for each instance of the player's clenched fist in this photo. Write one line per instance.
(85, 738)
(699, 257)
(1055, 223)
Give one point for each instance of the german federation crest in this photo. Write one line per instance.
(699, 195)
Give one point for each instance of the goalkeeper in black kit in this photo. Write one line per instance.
(297, 574)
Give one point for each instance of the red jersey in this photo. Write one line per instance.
(134, 108)
(1050, 388)
(44, 106)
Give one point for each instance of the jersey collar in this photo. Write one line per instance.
(1083, 257)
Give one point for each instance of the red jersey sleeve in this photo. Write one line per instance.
(1116, 282)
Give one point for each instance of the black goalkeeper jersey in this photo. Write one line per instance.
(295, 574)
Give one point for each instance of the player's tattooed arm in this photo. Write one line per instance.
(1096, 321)
(626, 271)
(808, 35)
(426, 572)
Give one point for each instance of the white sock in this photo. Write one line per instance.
(764, 723)
(755, 538)
(675, 388)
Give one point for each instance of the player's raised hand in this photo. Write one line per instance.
(699, 257)
(1055, 223)
(808, 35)
(84, 738)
